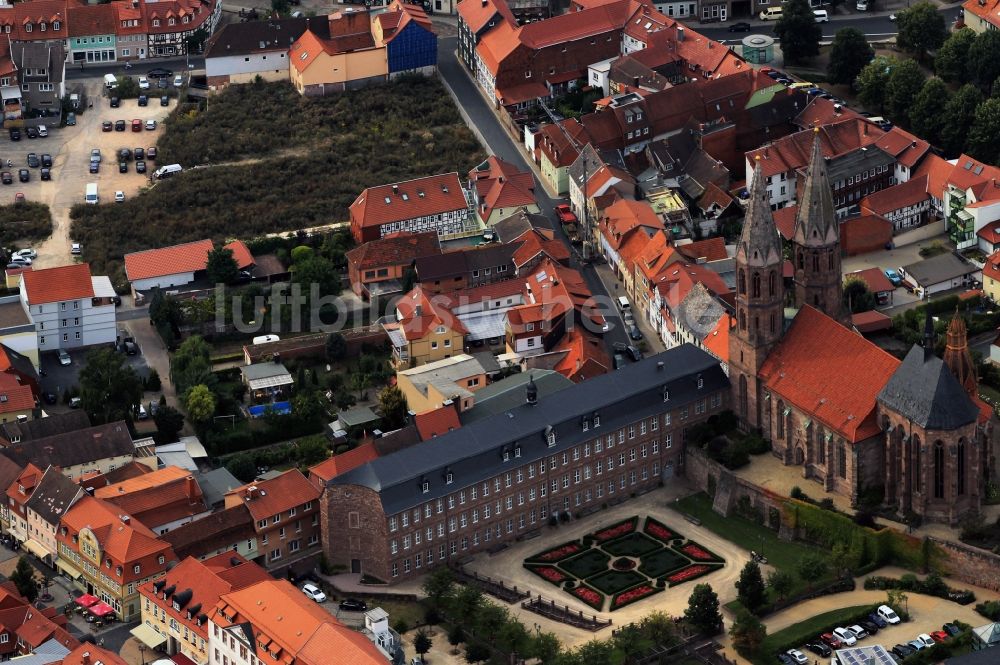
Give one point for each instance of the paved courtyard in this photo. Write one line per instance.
(507, 565)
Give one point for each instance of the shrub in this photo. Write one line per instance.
(990, 609)
(797, 493)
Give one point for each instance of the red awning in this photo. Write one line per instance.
(86, 600)
(101, 609)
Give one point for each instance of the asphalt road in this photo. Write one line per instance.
(499, 143)
(98, 70)
(873, 25)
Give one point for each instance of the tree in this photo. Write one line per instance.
(196, 40)
(316, 270)
(873, 81)
(747, 633)
(849, 54)
(307, 406)
(439, 587)
(190, 365)
(983, 141)
(750, 587)
(477, 653)
(921, 29)
(392, 407)
(545, 647)
(109, 389)
(798, 31)
(782, 582)
(301, 253)
(23, 578)
(200, 404)
(456, 635)
(811, 567)
(169, 422)
(422, 643)
(983, 61)
(243, 467)
(896, 599)
(951, 60)
(857, 296)
(959, 114)
(222, 267)
(703, 609)
(467, 603)
(153, 383)
(904, 85)
(927, 114)
(336, 347)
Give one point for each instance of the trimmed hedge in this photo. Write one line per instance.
(652, 527)
(932, 586)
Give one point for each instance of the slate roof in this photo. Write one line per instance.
(509, 228)
(77, 447)
(53, 496)
(924, 390)
(474, 452)
(262, 36)
(940, 268)
(394, 249)
(213, 532)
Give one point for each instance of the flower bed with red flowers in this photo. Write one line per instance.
(616, 531)
(593, 598)
(632, 595)
(659, 531)
(549, 574)
(695, 551)
(557, 553)
(690, 573)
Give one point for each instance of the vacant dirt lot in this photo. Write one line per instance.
(70, 149)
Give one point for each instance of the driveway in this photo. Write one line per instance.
(70, 148)
(507, 565)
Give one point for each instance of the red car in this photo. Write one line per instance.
(566, 215)
(939, 636)
(829, 640)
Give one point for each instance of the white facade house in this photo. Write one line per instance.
(240, 52)
(68, 307)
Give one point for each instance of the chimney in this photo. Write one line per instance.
(531, 391)
(395, 189)
(411, 417)
(680, 33)
(251, 492)
(276, 358)
(125, 519)
(85, 658)
(418, 310)
(191, 486)
(659, 366)
(377, 433)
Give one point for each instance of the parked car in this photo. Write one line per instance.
(141, 413)
(870, 627)
(123, 167)
(33, 160)
(70, 120)
(939, 636)
(151, 125)
(846, 636)
(143, 83)
(785, 659)
(43, 131)
(31, 132)
(159, 73)
(797, 657)
(178, 81)
(634, 333)
(46, 173)
(161, 83)
(164, 100)
(107, 126)
(95, 155)
(76, 248)
(888, 614)
(7, 177)
(29, 253)
(926, 639)
(95, 167)
(877, 620)
(131, 348)
(64, 358)
(24, 175)
(139, 153)
(565, 215)
(151, 153)
(124, 155)
(742, 26)
(137, 125)
(75, 402)
(858, 631)
(916, 645)
(140, 166)
(619, 360)
(119, 196)
(893, 277)
(115, 102)
(819, 649)
(314, 592)
(46, 159)
(951, 629)
(903, 650)
(120, 125)
(154, 408)
(353, 605)
(831, 640)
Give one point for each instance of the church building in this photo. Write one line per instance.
(853, 416)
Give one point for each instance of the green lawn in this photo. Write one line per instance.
(614, 581)
(634, 544)
(805, 631)
(660, 563)
(584, 565)
(751, 536)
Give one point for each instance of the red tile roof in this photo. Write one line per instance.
(538, 241)
(937, 170)
(714, 196)
(829, 372)
(501, 185)
(990, 233)
(874, 279)
(398, 16)
(968, 173)
(553, 141)
(888, 200)
(988, 10)
(793, 152)
(871, 321)
(157, 498)
(437, 422)
(991, 268)
(58, 284)
(573, 26)
(823, 112)
(275, 495)
(332, 467)
(90, 654)
(410, 199)
(717, 341)
(418, 314)
(904, 146)
(14, 396)
(712, 249)
(865, 234)
(585, 356)
(784, 220)
(88, 20)
(624, 215)
(187, 257)
(394, 249)
(477, 13)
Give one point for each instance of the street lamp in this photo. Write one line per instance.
(142, 653)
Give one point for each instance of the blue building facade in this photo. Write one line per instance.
(414, 48)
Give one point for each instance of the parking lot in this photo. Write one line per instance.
(70, 148)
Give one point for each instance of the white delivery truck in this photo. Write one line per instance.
(167, 171)
(91, 196)
(110, 82)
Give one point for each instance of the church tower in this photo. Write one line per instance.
(957, 356)
(759, 302)
(816, 243)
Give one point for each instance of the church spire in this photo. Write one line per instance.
(929, 340)
(759, 242)
(816, 221)
(957, 356)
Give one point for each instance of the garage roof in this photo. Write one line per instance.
(178, 259)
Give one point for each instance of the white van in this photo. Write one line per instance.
(821, 15)
(623, 304)
(167, 171)
(91, 196)
(264, 339)
(862, 5)
(771, 14)
(110, 81)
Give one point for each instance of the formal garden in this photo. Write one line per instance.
(623, 563)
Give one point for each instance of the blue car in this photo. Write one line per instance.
(893, 277)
